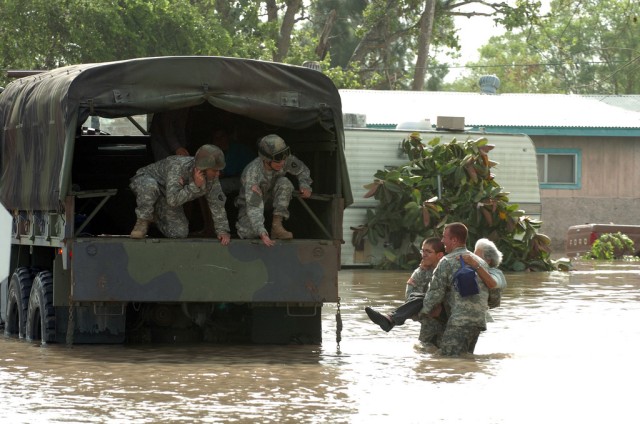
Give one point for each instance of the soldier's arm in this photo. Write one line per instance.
(296, 167)
(178, 191)
(437, 289)
(481, 269)
(216, 200)
(412, 284)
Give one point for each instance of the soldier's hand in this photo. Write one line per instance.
(435, 313)
(181, 151)
(469, 260)
(199, 178)
(266, 240)
(224, 239)
(305, 193)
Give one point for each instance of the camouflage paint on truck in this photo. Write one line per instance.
(200, 270)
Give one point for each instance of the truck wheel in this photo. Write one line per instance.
(41, 314)
(18, 301)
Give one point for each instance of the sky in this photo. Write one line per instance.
(474, 33)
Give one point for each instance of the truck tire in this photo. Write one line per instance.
(18, 301)
(41, 314)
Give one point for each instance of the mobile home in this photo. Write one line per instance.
(369, 150)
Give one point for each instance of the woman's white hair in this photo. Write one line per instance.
(489, 252)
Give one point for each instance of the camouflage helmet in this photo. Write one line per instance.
(210, 156)
(273, 148)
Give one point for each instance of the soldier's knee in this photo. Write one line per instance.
(284, 184)
(174, 230)
(177, 233)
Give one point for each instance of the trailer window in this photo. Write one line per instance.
(559, 168)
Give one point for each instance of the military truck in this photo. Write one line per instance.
(75, 274)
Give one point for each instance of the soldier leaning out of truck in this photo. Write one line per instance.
(264, 185)
(162, 188)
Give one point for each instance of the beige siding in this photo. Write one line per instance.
(609, 166)
(610, 190)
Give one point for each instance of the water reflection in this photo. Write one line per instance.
(562, 348)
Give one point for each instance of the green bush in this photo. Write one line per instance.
(409, 208)
(612, 246)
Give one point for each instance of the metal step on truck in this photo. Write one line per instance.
(73, 137)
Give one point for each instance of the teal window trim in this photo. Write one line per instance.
(577, 153)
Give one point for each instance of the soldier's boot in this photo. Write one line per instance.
(278, 231)
(140, 229)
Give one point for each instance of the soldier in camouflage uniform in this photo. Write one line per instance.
(264, 185)
(432, 251)
(163, 187)
(467, 315)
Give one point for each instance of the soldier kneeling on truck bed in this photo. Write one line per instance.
(162, 188)
(264, 185)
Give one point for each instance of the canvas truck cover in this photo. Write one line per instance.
(41, 114)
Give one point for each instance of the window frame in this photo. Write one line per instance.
(576, 153)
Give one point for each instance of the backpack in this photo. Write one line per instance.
(464, 280)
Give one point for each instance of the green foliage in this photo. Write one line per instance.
(580, 46)
(612, 246)
(410, 209)
(498, 57)
(372, 43)
(45, 34)
(348, 77)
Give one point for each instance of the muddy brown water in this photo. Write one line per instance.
(563, 347)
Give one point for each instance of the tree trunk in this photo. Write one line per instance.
(284, 40)
(272, 10)
(424, 40)
(323, 43)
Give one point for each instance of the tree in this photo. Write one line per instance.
(409, 208)
(45, 34)
(396, 35)
(519, 68)
(424, 40)
(286, 28)
(378, 44)
(341, 40)
(582, 47)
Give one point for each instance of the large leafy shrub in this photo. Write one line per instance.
(612, 246)
(443, 183)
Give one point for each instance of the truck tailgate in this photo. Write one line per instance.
(202, 270)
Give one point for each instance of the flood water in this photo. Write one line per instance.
(563, 347)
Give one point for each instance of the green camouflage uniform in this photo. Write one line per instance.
(419, 281)
(262, 189)
(431, 329)
(466, 315)
(164, 186)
